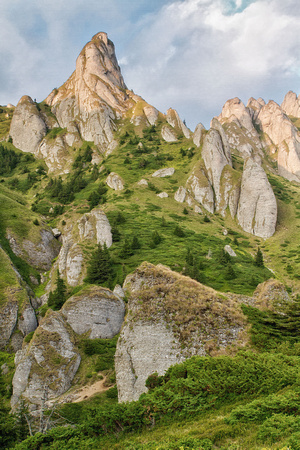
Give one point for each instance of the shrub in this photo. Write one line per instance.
(179, 231)
(112, 392)
(28, 337)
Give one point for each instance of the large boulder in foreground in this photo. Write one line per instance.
(50, 362)
(171, 317)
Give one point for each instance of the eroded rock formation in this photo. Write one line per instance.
(164, 325)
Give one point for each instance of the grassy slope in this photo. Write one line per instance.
(143, 212)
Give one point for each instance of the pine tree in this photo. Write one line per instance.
(178, 231)
(100, 266)
(259, 259)
(116, 235)
(58, 297)
(135, 245)
(95, 173)
(224, 257)
(230, 273)
(155, 239)
(126, 250)
(189, 258)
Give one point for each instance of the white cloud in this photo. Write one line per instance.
(215, 55)
(189, 54)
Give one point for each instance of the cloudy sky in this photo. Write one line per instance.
(191, 55)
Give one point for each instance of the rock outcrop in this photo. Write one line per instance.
(174, 120)
(257, 210)
(161, 173)
(216, 156)
(93, 226)
(241, 132)
(168, 134)
(285, 139)
(97, 311)
(114, 181)
(291, 104)
(200, 187)
(51, 359)
(38, 252)
(271, 295)
(28, 128)
(180, 194)
(49, 362)
(95, 94)
(197, 135)
(171, 318)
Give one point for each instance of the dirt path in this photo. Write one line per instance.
(88, 391)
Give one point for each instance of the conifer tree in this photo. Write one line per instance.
(100, 266)
(135, 245)
(259, 260)
(58, 297)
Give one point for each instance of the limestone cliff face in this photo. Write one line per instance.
(216, 185)
(257, 210)
(93, 226)
(240, 131)
(284, 136)
(95, 94)
(198, 134)
(216, 156)
(171, 318)
(199, 186)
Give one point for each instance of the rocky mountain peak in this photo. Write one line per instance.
(291, 104)
(97, 77)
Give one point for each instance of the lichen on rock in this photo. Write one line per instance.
(171, 317)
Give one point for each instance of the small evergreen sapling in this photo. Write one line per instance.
(259, 260)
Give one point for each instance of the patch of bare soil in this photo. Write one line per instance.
(88, 391)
